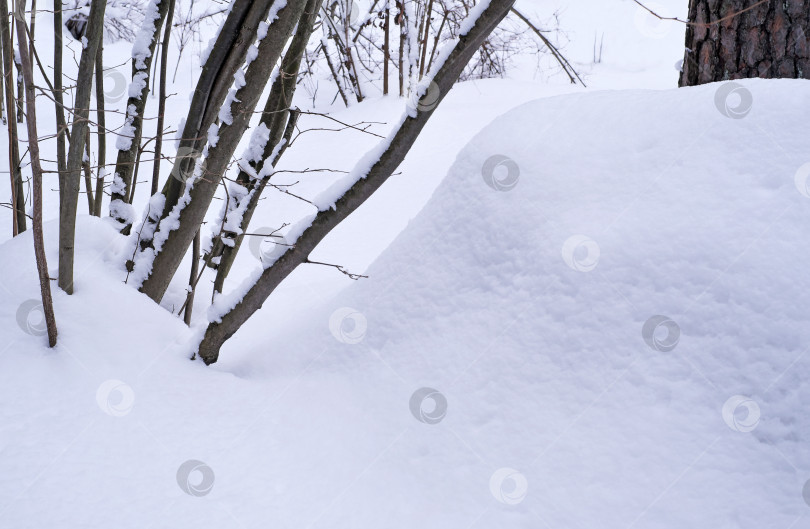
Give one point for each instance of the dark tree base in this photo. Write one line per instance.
(768, 41)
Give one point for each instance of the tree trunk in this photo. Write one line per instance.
(203, 189)
(101, 130)
(275, 118)
(164, 57)
(370, 180)
(737, 39)
(129, 142)
(17, 192)
(236, 35)
(36, 171)
(61, 125)
(81, 112)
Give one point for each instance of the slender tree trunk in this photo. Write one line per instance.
(192, 281)
(403, 28)
(20, 90)
(61, 125)
(3, 116)
(17, 192)
(101, 130)
(424, 42)
(386, 46)
(88, 182)
(369, 180)
(202, 192)
(36, 169)
(275, 118)
(67, 219)
(130, 140)
(736, 39)
(164, 57)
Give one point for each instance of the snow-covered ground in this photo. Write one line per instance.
(584, 308)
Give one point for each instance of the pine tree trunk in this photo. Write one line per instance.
(737, 39)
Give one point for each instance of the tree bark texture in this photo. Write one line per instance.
(725, 41)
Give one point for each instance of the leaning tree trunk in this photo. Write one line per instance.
(369, 180)
(737, 39)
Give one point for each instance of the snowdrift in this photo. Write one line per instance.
(600, 319)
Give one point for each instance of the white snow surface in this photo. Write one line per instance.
(558, 412)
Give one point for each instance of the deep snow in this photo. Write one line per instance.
(494, 369)
(521, 310)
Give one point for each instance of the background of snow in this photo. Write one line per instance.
(696, 216)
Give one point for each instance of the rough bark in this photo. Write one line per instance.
(81, 112)
(36, 170)
(401, 141)
(202, 193)
(769, 40)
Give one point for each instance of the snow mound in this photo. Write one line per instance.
(608, 291)
(598, 320)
